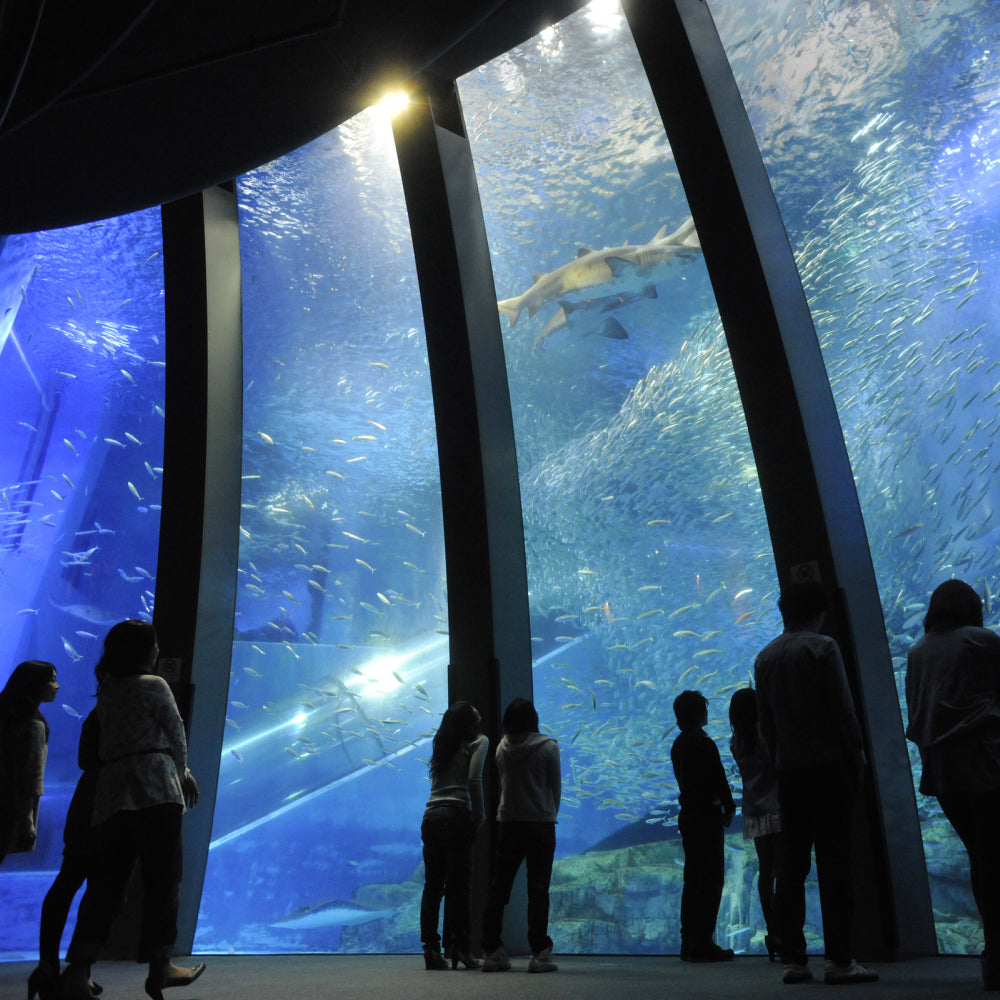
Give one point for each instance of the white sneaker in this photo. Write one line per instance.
(542, 962)
(797, 974)
(838, 975)
(496, 961)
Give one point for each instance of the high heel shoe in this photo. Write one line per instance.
(465, 958)
(43, 985)
(433, 959)
(155, 985)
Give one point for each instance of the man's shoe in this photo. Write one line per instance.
(840, 975)
(797, 974)
(542, 962)
(496, 961)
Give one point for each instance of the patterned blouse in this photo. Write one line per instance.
(143, 747)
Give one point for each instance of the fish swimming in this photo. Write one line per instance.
(597, 275)
(331, 913)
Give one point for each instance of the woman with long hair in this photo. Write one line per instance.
(953, 704)
(761, 813)
(142, 788)
(24, 736)
(454, 812)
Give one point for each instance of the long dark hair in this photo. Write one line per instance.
(953, 604)
(458, 726)
(23, 691)
(743, 718)
(520, 716)
(126, 650)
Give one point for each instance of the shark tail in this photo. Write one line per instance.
(686, 234)
(511, 308)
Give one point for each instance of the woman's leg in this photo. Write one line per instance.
(55, 907)
(540, 849)
(457, 883)
(435, 875)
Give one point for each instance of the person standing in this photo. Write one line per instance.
(143, 786)
(530, 790)
(454, 812)
(707, 808)
(761, 813)
(24, 738)
(953, 706)
(811, 731)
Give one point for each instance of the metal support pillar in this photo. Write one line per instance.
(199, 529)
(802, 463)
(490, 646)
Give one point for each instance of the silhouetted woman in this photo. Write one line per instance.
(761, 813)
(81, 853)
(24, 736)
(953, 702)
(142, 788)
(454, 812)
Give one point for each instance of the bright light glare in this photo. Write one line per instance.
(394, 102)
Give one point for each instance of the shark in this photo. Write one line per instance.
(331, 913)
(601, 277)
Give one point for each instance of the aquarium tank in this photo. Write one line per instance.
(81, 425)
(649, 564)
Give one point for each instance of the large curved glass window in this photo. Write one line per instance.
(880, 129)
(649, 561)
(338, 673)
(81, 454)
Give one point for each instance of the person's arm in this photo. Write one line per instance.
(173, 728)
(722, 784)
(32, 775)
(555, 775)
(476, 764)
(842, 705)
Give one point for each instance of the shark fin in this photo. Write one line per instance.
(509, 309)
(583, 252)
(649, 292)
(612, 330)
(620, 267)
(660, 234)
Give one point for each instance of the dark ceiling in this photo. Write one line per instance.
(111, 107)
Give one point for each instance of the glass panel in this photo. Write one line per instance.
(880, 127)
(81, 450)
(649, 561)
(340, 649)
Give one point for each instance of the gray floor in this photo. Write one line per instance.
(402, 977)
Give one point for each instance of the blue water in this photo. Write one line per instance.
(649, 563)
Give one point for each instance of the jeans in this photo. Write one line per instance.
(447, 834)
(535, 844)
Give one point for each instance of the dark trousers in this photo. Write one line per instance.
(151, 836)
(975, 817)
(817, 809)
(704, 874)
(447, 835)
(535, 844)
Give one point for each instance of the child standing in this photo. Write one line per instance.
(707, 807)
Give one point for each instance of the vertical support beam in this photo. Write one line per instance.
(802, 463)
(490, 645)
(199, 529)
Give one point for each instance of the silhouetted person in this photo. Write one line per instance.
(707, 808)
(454, 812)
(811, 731)
(24, 738)
(81, 852)
(760, 809)
(953, 703)
(142, 789)
(530, 789)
